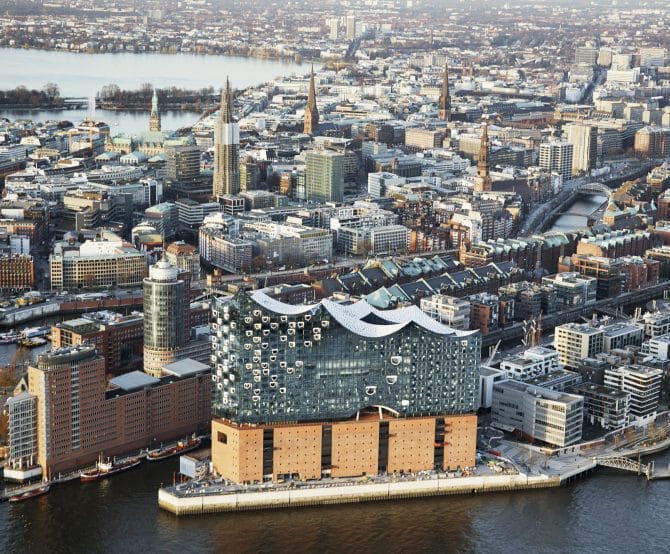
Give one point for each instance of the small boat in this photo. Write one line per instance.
(107, 469)
(32, 342)
(182, 447)
(30, 494)
(8, 338)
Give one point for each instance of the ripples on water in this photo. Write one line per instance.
(609, 512)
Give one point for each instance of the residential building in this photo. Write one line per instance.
(576, 341)
(557, 157)
(607, 407)
(643, 383)
(451, 311)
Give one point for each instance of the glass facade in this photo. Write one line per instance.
(275, 362)
(164, 310)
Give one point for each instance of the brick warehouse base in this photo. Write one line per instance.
(364, 446)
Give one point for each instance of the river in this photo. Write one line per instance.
(577, 216)
(83, 75)
(608, 512)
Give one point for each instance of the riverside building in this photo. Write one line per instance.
(338, 390)
(71, 414)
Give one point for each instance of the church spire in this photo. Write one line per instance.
(311, 125)
(445, 100)
(483, 178)
(155, 117)
(226, 114)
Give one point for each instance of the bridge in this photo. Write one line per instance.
(626, 464)
(594, 188)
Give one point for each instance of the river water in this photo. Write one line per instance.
(608, 512)
(83, 75)
(577, 216)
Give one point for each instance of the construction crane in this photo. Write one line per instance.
(493, 350)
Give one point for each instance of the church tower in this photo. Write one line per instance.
(483, 179)
(311, 112)
(444, 112)
(155, 118)
(226, 148)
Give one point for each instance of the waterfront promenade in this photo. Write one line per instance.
(518, 466)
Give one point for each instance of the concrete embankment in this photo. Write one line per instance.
(181, 503)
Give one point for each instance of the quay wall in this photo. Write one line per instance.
(180, 504)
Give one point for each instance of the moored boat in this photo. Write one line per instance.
(182, 447)
(30, 494)
(109, 468)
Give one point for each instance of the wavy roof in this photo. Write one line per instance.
(351, 316)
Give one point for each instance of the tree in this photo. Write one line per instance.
(51, 90)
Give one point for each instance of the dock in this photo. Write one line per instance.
(194, 498)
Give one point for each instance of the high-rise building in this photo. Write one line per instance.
(249, 174)
(226, 148)
(557, 156)
(483, 180)
(182, 163)
(584, 139)
(333, 27)
(311, 126)
(155, 117)
(166, 315)
(338, 390)
(351, 27)
(444, 112)
(324, 176)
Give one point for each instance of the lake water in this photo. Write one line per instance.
(83, 75)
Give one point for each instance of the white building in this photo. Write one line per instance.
(452, 311)
(642, 383)
(576, 341)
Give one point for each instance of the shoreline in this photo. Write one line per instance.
(288, 59)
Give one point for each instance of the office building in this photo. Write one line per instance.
(81, 416)
(351, 27)
(182, 163)
(572, 289)
(576, 341)
(606, 407)
(537, 413)
(166, 315)
(226, 148)
(324, 179)
(103, 262)
(21, 464)
(118, 338)
(557, 157)
(311, 124)
(338, 390)
(642, 383)
(584, 140)
(17, 273)
(184, 257)
(532, 363)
